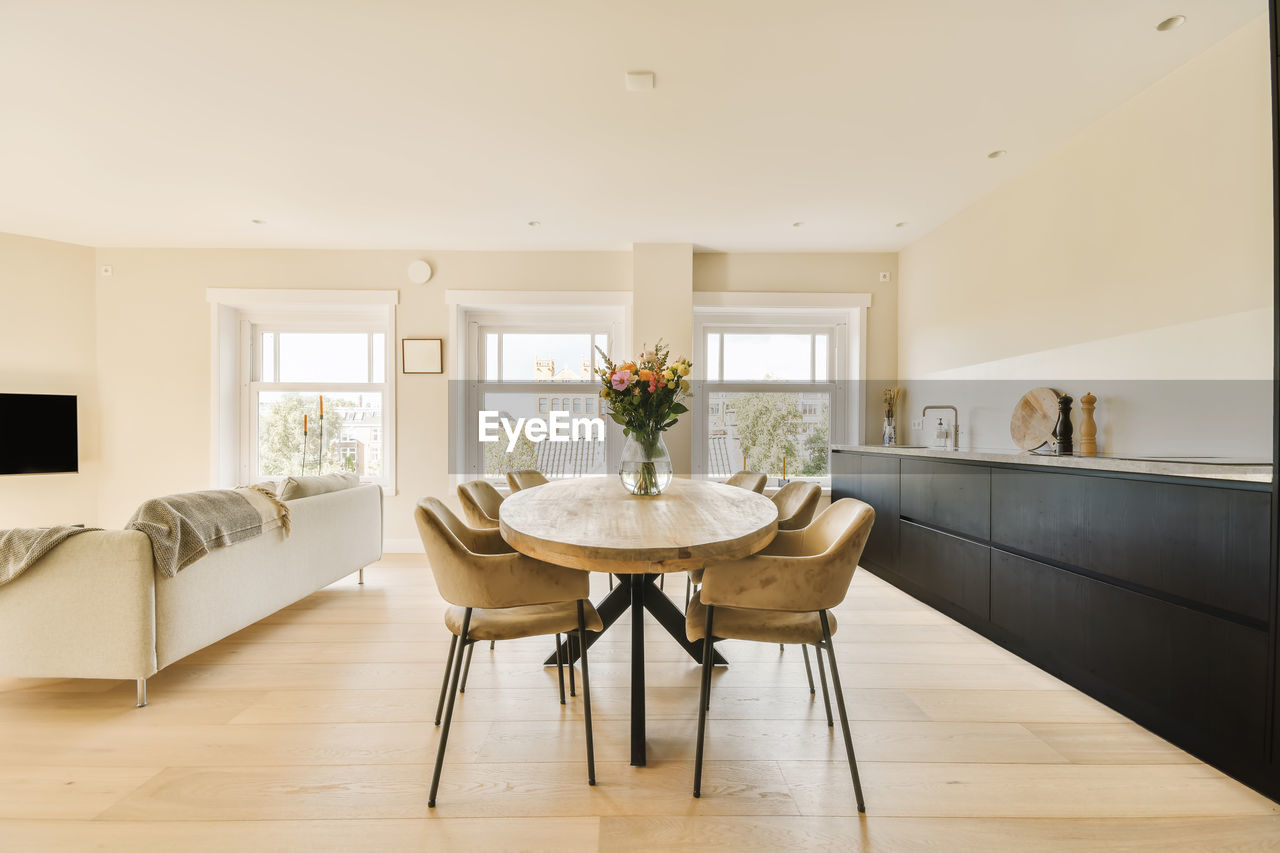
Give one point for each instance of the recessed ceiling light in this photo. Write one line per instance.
(533, 223)
(1171, 23)
(997, 154)
(258, 221)
(796, 224)
(900, 224)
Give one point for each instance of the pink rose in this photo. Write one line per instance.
(620, 380)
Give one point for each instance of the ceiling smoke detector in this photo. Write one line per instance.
(639, 81)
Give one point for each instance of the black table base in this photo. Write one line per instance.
(639, 593)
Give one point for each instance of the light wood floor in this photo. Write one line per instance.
(312, 731)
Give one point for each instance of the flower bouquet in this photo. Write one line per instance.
(644, 398)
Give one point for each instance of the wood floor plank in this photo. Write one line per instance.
(38, 791)
(466, 790)
(534, 835)
(1024, 790)
(938, 835)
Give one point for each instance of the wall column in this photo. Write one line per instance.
(662, 307)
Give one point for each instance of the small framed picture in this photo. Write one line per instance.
(422, 355)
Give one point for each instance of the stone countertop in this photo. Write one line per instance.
(1204, 468)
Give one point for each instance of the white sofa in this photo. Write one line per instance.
(95, 607)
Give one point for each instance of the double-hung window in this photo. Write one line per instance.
(533, 379)
(318, 399)
(772, 400)
(279, 358)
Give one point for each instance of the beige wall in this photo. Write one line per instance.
(154, 327)
(47, 346)
(1142, 249)
(1158, 214)
(154, 335)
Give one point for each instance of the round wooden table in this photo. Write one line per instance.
(593, 524)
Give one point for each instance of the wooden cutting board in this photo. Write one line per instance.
(1034, 418)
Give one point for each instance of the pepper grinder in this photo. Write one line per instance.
(1088, 429)
(1064, 430)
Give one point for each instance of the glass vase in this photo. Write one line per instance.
(890, 435)
(646, 465)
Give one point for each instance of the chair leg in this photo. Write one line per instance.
(586, 693)
(491, 645)
(688, 590)
(704, 699)
(808, 670)
(448, 711)
(466, 670)
(360, 578)
(610, 580)
(444, 682)
(822, 676)
(142, 693)
(662, 581)
(781, 648)
(844, 716)
(560, 666)
(573, 687)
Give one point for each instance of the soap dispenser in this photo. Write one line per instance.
(941, 436)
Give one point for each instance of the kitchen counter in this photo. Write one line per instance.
(1202, 468)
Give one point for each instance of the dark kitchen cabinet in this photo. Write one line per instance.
(1153, 594)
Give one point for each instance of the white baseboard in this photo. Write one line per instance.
(402, 546)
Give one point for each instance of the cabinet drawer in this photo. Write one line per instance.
(1202, 544)
(948, 495)
(1191, 676)
(879, 487)
(947, 566)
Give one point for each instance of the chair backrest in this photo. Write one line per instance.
(480, 502)
(525, 478)
(472, 569)
(801, 570)
(751, 480)
(797, 501)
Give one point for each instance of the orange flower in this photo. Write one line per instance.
(630, 365)
(646, 375)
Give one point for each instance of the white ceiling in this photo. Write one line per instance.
(450, 125)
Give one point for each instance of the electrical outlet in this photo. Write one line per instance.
(884, 276)
(917, 423)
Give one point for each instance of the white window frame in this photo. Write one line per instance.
(551, 312)
(234, 312)
(255, 323)
(844, 316)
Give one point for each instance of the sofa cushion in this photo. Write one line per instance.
(305, 487)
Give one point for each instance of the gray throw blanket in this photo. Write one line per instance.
(20, 549)
(183, 528)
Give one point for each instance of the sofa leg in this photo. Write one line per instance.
(142, 693)
(360, 577)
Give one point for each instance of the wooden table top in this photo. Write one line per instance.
(594, 524)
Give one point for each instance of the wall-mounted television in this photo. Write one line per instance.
(38, 434)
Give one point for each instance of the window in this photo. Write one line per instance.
(518, 359)
(771, 401)
(280, 355)
(316, 399)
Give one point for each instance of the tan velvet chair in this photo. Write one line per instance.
(480, 502)
(498, 594)
(797, 501)
(783, 595)
(526, 478)
(752, 481)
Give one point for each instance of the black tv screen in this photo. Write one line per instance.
(38, 434)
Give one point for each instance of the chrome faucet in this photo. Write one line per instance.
(955, 424)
